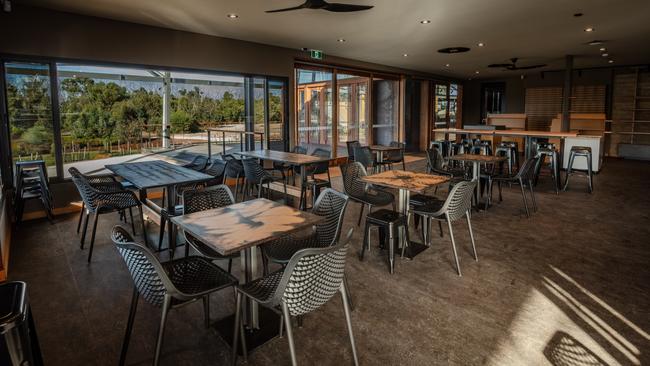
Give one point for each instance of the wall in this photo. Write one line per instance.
(516, 89)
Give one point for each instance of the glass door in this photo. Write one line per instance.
(29, 111)
(353, 111)
(277, 115)
(314, 91)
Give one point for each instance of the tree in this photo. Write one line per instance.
(180, 121)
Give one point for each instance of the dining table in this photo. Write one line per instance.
(381, 150)
(145, 175)
(242, 227)
(406, 182)
(476, 161)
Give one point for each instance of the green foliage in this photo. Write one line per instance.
(181, 121)
(39, 137)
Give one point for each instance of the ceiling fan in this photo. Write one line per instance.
(513, 65)
(324, 5)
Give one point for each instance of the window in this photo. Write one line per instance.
(29, 107)
(386, 111)
(353, 111)
(314, 88)
(277, 96)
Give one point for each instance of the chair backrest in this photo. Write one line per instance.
(148, 275)
(331, 205)
(253, 171)
(217, 169)
(399, 155)
(234, 168)
(363, 155)
(459, 200)
(299, 149)
(86, 191)
(527, 169)
(321, 168)
(207, 199)
(198, 163)
(312, 277)
(351, 145)
(352, 184)
(435, 160)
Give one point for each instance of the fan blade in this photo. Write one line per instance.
(287, 9)
(345, 8)
(528, 67)
(501, 65)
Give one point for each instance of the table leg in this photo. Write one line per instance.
(171, 208)
(249, 264)
(476, 176)
(413, 248)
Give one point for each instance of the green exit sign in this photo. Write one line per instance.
(316, 54)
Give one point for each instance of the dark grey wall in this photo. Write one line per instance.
(516, 89)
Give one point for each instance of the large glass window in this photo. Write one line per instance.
(29, 107)
(353, 111)
(314, 88)
(277, 95)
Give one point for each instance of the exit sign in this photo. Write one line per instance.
(316, 54)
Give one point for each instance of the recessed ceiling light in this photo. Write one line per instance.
(340, 40)
(603, 49)
(447, 65)
(476, 72)
(611, 61)
(605, 54)
(425, 21)
(406, 55)
(480, 44)
(589, 29)
(232, 16)
(596, 42)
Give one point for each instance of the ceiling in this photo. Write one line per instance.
(535, 31)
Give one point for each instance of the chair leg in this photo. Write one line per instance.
(206, 310)
(523, 196)
(568, 170)
(161, 234)
(348, 320)
(440, 228)
(348, 294)
(471, 236)
(500, 195)
(391, 248)
(532, 196)
(161, 329)
(361, 214)
(591, 184)
(237, 329)
(81, 215)
(287, 324)
(129, 325)
(453, 246)
(230, 267)
(132, 222)
(366, 241)
(92, 236)
(83, 233)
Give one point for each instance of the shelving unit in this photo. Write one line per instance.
(630, 127)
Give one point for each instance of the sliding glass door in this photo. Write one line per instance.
(314, 107)
(353, 111)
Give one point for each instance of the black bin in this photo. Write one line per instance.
(18, 341)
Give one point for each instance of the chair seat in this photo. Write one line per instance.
(423, 200)
(379, 198)
(319, 182)
(281, 250)
(263, 289)
(385, 217)
(196, 275)
(429, 209)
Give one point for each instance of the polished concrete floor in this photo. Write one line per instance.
(569, 286)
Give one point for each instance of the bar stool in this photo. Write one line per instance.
(584, 151)
(389, 223)
(514, 147)
(507, 152)
(544, 150)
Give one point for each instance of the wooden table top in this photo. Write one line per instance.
(384, 148)
(507, 132)
(479, 158)
(156, 173)
(404, 179)
(284, 157)
(233, 228)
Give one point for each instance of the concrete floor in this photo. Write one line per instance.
(569, 286)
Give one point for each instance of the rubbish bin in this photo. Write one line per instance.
(18, 341)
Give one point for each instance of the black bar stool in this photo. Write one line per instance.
(584, 151)
(389, 223)
(544, 150)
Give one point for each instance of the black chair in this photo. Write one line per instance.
(217, 169)
(102, 182)
(201, 200)
(389, 223)
(286, 168)
(396, 157)
(199, 163)
(311, 182)
(523, 177)
(548, 150)
(310, 279)
(257, 177)
(330, 205)
(169, 285)
(351, 145)
(365, 157)
(457, 205)
(361, 192)
(98, 202)
(235, 170)
(32, 183)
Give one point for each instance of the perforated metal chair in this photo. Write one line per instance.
(331, 206)
(311, 182)
(168, 285)
(524, 177)
(310, 279)
(360, 192)
(102, 182)
(257, 177)
(351, 145)
(396, 157)
(457, 205)
(102, 199)
(217, 169)
(201, 200)
(235, 170)
(199, 163)
(365, 157)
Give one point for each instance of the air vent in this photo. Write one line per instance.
(453, 50)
